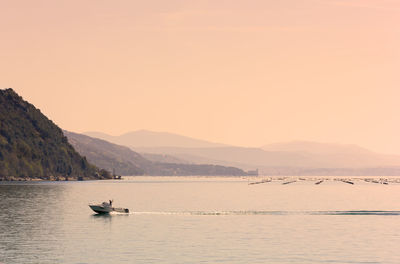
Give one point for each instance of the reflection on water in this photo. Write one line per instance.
(31, 222)
(359, 212)
(199, 220)
(102, 216)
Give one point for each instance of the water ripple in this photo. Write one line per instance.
(356, 212)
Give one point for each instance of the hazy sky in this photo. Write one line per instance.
(246, 72)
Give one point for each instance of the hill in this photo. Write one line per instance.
(107, 155)
(145, 138)
(292, 154)
(163, 158)
(288, 162)
(127, 162)
(297, 157)
(247, 158)
(32, 146)
(331, 155)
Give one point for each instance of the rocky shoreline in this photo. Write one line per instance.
(49, 178)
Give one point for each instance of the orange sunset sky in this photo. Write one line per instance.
(246, 72)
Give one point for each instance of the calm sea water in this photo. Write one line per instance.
(200, 220)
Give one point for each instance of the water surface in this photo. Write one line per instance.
(200, 220)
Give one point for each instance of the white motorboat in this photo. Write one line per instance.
(106, 208)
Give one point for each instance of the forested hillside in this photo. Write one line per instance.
(32, 146)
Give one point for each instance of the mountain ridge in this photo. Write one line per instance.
(121, 158)
(34, 147)
(304, 154)
(147, 138)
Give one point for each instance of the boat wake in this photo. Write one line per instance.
(358, 212)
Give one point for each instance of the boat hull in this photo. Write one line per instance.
(100, 209)
(106, 210)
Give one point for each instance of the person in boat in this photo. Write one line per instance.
(110, 202)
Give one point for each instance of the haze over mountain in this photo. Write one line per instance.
(298, 154)
(338, 155)
(127, 162)
(146, 138)
(315, 147)
(107, 155)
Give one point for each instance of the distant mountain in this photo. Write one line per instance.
(145, 138)
(247, 158)
(100, 135)
(298, 171)
(32, 146)
(332, 155)
(316, 148)
(316, 156)
(163, 158)
(127, 162)
(287, 162)
(107, 155)
(298, 156)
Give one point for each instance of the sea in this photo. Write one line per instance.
(202, 220)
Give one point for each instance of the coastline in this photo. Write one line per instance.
(49, 178)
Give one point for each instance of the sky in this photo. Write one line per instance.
(240, 72)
